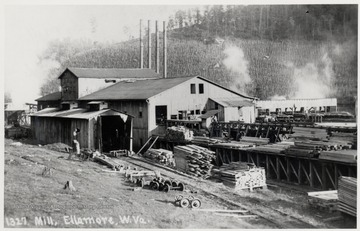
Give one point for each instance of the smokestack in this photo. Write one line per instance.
(149, 45)
(165, 52)
(141, 48)
(157, 47)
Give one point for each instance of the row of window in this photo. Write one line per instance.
(193, 88)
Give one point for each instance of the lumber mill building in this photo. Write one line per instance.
(140, 94)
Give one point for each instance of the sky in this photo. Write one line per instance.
(29, 29)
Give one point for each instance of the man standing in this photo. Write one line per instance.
(76, 144)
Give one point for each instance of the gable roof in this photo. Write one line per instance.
(112, 73)
(144, 89)
(138, 90)
(50, 97)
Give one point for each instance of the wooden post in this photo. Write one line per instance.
(288, 169)
(336, 174)
(141, 47)
(157, 57)
(299, 172)
(323, 176)
(149, 45)
(165, 51)
(311, 174)
(277, 168)
(267, 167)
(131, 135)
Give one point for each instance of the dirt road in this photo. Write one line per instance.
(105, 199)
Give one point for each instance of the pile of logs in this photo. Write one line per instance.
(347, 156)
(241, 175)
(194, 160)
(179, 133)
(309, 133)
(347, 195)
(161, 156)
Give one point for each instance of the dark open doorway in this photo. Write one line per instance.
(160, 114)
(115, 133)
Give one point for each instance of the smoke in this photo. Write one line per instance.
(278, 97)
(235, 62)
(313, 80)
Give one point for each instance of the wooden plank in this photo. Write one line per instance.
(306, 174)
(318, 176)
(283, 168)
(275, 170)
(330, 177)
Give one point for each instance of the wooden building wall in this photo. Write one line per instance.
(69, 86)
(47, 130)
(140, 123)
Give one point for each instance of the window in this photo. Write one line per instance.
(140, 112)
(160, 114)
(192, 112)
(192, 88)
(201, 88)
(197, 112)
(173, 117)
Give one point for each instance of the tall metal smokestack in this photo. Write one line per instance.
(157, 67)
(165, 52)
(149, 45)
(141, 47)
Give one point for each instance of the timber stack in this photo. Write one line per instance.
(178, 133)
(161, 156)
(347, 195)
(277, 148)
(254, 140)
(344, 139)
(233, 145)
(345, 156)
(241, 175)
(194, 160)
(204, 140)
(309, 133)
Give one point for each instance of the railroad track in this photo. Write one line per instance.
(277, 218)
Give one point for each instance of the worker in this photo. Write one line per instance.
(76, 144)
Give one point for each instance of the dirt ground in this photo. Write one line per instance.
(106, 199)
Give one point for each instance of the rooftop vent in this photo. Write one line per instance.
(97, 105)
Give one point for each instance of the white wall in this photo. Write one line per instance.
(246, 114)
(179, 98)
(90, 85)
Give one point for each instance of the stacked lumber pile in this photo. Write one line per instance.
(347, 195)
(309, 133)
(179, 133)
(347, 156)
(241, 175)
(255, 140)
(162, 156)
(204, 140)
(326, 200)
(278, 148)
(194, 160)
(233, 145)
(344, 139)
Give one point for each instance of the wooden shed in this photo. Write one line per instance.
(103, 130)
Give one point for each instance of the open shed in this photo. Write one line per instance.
(103, 130)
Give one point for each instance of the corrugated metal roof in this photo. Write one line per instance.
(141, 89)
(233, 102)
(50, 97)
(112, 73)
(78, 113)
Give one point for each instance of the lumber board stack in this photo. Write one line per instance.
(178, 133)
(277, 148)
(204, 140)
(162, 156)
(326, 200)
(241, 175)
(347, 195)
(233, 145)
(108, 162)
(194, 160)
(344, 138)
(309, 133)
(255, 140)
(346, 156)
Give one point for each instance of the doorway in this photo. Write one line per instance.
(115, 133)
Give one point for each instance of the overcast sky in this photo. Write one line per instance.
(29, 28)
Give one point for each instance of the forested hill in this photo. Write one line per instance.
(264, 51)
